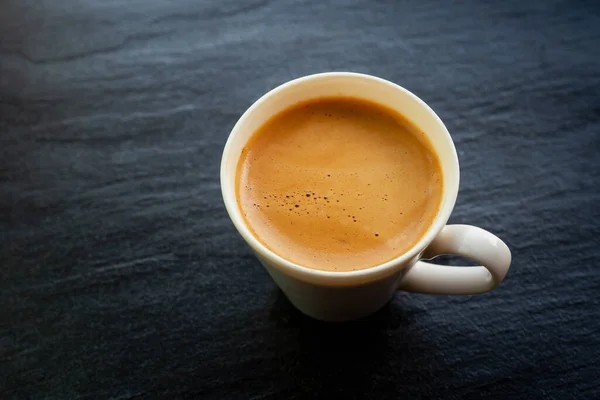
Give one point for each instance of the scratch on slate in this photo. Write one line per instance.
(114, 116)
(77, 56)
(131, 263)
(217, 13)
(71, 279)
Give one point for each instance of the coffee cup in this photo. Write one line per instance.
(341, 296)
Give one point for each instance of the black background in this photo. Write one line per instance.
(122, 277)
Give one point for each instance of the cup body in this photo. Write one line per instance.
(338, 296)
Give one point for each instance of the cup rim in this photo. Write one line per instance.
(335, 278)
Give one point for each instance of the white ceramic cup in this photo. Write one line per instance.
(339, 296)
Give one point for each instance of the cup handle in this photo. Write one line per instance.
(462, 240)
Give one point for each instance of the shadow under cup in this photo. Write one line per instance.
(339, 295)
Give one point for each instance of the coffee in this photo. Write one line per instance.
(338, 184)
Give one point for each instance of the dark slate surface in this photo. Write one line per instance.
(122, 277)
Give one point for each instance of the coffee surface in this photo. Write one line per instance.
(338, 184)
